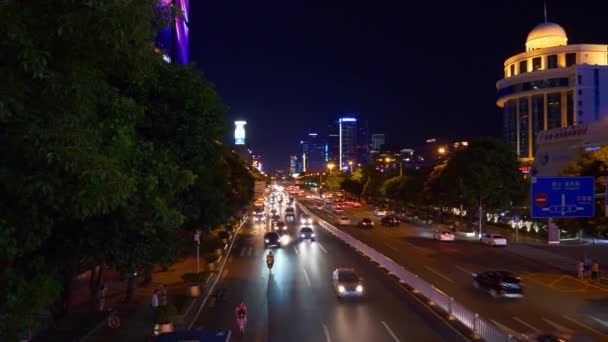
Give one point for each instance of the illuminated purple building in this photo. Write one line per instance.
(173, 40)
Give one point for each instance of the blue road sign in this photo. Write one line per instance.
(563, 197)
(516, 219)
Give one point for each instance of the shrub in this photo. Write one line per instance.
(192, 277)
(165, 314)
(211, 258)
(223, 234)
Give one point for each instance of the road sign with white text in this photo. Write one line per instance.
(563, 197)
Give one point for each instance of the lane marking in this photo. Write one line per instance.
(249, 251)
(528, 325)
(463, 269)
(584, 325)
(506, 328)
(298, 253)
(323, 248)
(557, 326)
(243, 251)
(327, 337)
(391, 247)
(439, 274)
(307, 279)
(390, 331)
(600, 321)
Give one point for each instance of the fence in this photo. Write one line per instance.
(479, 326)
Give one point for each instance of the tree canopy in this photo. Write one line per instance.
(107, 150)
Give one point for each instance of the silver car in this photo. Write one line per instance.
(347, 283)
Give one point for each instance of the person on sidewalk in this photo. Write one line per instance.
(162, 295)
(580, 267)
(595, 270)
(154, 305)
(101, 297)
(587, 266)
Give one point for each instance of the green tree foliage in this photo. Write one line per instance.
(107, 150)
(593, 164)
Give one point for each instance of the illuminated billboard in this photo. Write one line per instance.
(239, 132)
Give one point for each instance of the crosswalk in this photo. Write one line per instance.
(560, 262)
(248, 251)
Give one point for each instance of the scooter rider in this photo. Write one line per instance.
(270, 259)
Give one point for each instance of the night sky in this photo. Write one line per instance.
(414, 69)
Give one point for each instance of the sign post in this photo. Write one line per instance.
(562, 197)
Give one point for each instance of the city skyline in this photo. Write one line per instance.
(413, 70)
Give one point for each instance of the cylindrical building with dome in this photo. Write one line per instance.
(551, 85)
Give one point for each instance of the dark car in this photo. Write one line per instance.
(365, 223)
(306, 233)
(272, 239)
(347, 283)
(390, 221)
(280, 225)
(499, 283)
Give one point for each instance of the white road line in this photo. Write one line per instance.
(463, 269)
(323, 248)
(391, 247)
(298, 253)
(307, 279)
(506, 328)
(582, 324)
(439, 274)
(243, 251)
(528, 325)
(390, 331)
(600, 321)
(249, 251)
(558, 326)
(255, 252)
(326, 333)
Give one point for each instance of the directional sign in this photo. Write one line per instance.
(563, 197)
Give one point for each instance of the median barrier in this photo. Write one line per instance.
(479, 326)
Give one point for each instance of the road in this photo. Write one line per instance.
(297, 301)
(554, 301)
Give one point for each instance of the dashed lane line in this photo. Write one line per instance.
(526, 324)
(307, 278)
(559, 327)
(390, 331)
(439, 274)
(296, 249)
(463, 269)
(505, 328)
(327, 337)
(582, 325)
(323, 248)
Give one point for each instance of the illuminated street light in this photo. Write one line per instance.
(441, 150)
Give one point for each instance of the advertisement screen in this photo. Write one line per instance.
(239, 132)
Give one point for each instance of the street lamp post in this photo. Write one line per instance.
(350, 166)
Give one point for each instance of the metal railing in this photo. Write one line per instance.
(479, 326)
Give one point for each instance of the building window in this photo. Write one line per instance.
(512, 67)
(551, 61)
(523, 67)
(554, 110)
(536, 63)
(523, 128)
(509, 128)
(580, 103)
(570, 109)
(538, 117)
(570, 59)
(580, 91)
(596, 94)
(580, 79)
(580, 113)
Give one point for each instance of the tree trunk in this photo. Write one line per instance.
(130, 287)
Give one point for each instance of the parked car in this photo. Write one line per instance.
(365, 223)
(443, 235)
(380, 212)
(499, 283)
(493, 240)
(344, 221)
(347, 283)
(390, 221)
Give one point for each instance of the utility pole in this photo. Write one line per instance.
(480, 213)
(197, 238)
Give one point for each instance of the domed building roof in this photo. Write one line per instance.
(546, 35)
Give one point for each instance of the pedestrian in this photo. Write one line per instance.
(162, 295)
(154, 305)
(595, 270)
(587, 266)
(580, 267)
(101, 297)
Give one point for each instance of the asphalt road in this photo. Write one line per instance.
(554, 301)
(296, 302)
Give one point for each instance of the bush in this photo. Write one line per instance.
(165, 314)
(223, 234)
(211, 258)
(192, 277)
(229, 227)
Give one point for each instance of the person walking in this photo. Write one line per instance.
(595, 270)
(154, 305)
(580, 267)
(101, 297)
(162, 295)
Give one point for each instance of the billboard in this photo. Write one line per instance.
(239, 132)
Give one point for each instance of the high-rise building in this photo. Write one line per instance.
(293, 165)
(362, 144)
(173, 40)
(313, 153)
(551, 85)
(256, 162)
(240, 147)
(377, 141)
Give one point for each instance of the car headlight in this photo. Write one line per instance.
(312, 235)
(302, 235)
(359, 288)
(267, 241)
(341, 289)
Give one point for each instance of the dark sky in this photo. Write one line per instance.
(414, 69)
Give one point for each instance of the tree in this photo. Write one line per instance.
(485, 174)
(595, 164)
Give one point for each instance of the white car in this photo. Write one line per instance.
(338, 210)
(380, 212)
(494, 240)
(344, 221)
(443, 235)
(305, 220)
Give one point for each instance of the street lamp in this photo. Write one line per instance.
(388, 160)
(441, 150)
(350, 166)
(330, 166)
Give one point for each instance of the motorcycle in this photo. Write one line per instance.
(241, 322)
(270, 263)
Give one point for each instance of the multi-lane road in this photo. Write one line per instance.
(554, 301)
(296, 302)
